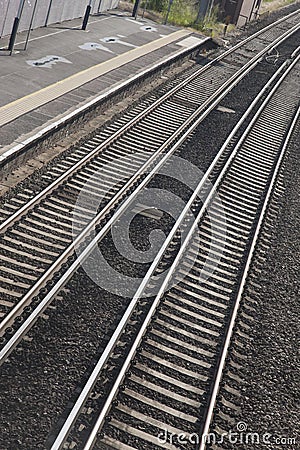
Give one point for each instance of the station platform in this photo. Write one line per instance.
(65, 70)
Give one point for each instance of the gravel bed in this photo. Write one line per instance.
(201, 148)
(43, 374)
(271, 399)
(41, 378)
(264, 360)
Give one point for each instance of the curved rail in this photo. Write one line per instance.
(205, 106)
(8, 320)
(222, 361)
(142, 114)
(91, 382)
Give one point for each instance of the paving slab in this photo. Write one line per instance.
(65, 69)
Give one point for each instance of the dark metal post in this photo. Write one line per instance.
(30, 25)
(15, 27)
(48, 13)
(135, 8)
(227, 22)
(168, 12)
(86, 15)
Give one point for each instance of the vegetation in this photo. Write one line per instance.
(272, 5)
(186, 13)
(156, 5)
(182, 12)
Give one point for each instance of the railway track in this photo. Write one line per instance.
(49, 230)
(38, 230)
(164, 390)
(166, 371)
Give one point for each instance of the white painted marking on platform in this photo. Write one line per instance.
(116, 40)
(47, 61)
(149, 28)
(94, 46)
(135, 21)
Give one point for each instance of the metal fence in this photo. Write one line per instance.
(38, 13)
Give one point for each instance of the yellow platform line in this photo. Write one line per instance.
(23, 105)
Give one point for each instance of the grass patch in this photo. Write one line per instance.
(182, 13)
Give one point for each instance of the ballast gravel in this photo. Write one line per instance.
(43, 374)
(271, 399)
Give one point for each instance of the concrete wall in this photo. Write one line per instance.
(248, 12)
(56, 10)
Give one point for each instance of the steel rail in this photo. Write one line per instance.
(93, 378)
(126, 364)
(243, 283)
(207, 107)
(251, 64)
(141, 170)
(8, 320)
(29, 205)
(220, 94)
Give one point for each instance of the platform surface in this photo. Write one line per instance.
(64, 67)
